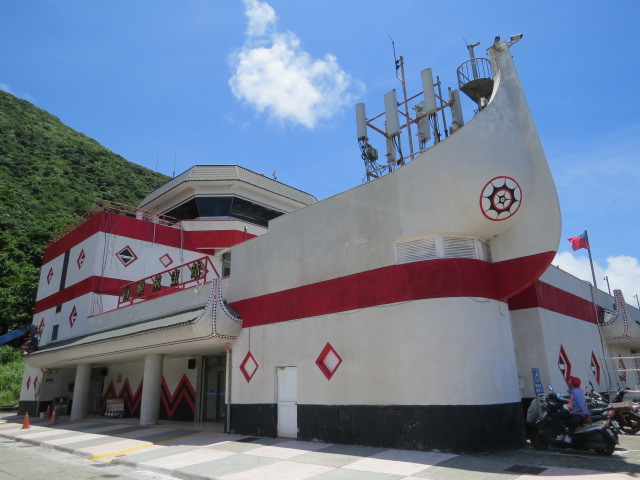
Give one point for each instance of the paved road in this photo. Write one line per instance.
(22, 461)
(99, 448)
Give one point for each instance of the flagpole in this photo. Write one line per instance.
(593, 274)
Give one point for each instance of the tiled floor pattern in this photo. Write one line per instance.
(194, 455)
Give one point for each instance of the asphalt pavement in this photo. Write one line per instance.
(202, 451)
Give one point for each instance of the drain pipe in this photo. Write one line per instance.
(227, 388)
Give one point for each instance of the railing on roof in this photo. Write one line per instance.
(475, 79)
(187, 275)
(120, 209)
(473, 70)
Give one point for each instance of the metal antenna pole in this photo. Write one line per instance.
(406, 107)
(472, 57)
(444, 120)
(586, 237)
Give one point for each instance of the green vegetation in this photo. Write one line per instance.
(49, 175)
(11, 367)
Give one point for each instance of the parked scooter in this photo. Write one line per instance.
(627, 414)
(598, 435)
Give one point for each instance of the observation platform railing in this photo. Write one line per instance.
(120, 209)
(181, 277)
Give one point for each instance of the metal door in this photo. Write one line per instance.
(214, 389)
(287, 382)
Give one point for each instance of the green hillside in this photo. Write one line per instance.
(49, 175)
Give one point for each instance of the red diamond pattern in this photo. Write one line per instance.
(81, 257)
(249, 366)
(73, 316)
(328, 361)
(49, 276)
(595, 367)
(622, 370)
(564, 364)
(126, 256)
(166, 260)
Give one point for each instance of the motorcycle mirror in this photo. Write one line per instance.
(550, 387)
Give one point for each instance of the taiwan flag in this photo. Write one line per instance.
(579, 242)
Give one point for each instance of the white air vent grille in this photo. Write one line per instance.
(416, 250)
(459, 247)
(439, 246)
(486, 251)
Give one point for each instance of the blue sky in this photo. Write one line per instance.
(172, 84)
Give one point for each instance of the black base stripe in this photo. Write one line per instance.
(452, 428)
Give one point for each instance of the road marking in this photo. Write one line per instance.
(119, 452)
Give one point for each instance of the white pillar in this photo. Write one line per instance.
(81, 389)
(152, 383)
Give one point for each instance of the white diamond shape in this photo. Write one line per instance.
(331, 361)
(250, 367)
(166, 260)
(328, 361)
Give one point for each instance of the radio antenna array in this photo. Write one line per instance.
(398, 122)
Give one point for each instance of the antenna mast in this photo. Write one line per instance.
(425, 119)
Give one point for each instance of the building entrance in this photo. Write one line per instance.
(213, 388)
(96, 390)
(287, 382)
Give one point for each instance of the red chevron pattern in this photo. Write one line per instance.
(184, 397)
(131, 400)
(184, 394)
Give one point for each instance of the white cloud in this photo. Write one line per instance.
(622, 271)
(4, 87)
(275, 75)
(261, 16)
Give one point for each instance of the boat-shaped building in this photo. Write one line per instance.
(418, 310)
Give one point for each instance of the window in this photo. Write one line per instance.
(54, 333)
(214, 206)
(252, 212)
(186, 211)
(224, 207)
(226, 264)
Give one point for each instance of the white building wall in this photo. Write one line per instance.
(530, 348)
(413, 353)
(38, 385)
(579, 339)
(118, 374)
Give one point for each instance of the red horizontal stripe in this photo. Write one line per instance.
(106, 286)
(442, 278)
(212, 239)
(136, 229)
(543, 295)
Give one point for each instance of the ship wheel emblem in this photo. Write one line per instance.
(500, 198)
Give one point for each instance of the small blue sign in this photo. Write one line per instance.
(537, 384)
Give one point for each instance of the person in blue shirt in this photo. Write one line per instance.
(577, 410)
